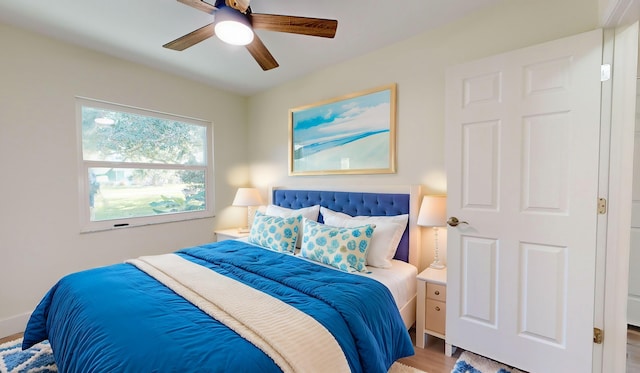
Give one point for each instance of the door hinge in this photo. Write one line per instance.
(602, 206)
(605, 72)
(598, 336)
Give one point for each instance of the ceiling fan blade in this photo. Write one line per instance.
(261, 54)
(325, 28)
(191, 38)
(200, 5)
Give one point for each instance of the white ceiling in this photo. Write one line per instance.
(136, 30)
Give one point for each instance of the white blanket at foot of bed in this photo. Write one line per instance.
(256, 316)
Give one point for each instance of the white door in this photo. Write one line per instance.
(522, 151)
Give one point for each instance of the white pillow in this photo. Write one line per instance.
(386, 236)
(310, 213)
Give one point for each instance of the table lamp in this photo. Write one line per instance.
(433, 213)
(249, 198)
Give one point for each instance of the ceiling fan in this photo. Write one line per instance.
(234, 23)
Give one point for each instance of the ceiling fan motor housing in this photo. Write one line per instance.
(239, 5)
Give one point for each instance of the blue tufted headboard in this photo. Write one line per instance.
(351, 203)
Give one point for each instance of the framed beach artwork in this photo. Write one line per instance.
(352, 134)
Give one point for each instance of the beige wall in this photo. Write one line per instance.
(418, 67)
(39, 228)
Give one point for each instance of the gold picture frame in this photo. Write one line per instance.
(351, 134)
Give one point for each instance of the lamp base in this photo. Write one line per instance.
(437, 265)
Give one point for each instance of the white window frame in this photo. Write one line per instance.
(86, 225)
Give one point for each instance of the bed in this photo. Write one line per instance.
(279, 312)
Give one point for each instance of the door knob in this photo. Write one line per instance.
(454, 222)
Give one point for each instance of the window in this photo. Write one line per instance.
(140, 167)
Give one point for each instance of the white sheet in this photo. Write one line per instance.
(400, 279)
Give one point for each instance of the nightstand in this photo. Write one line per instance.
(229, 234)
(432, 307)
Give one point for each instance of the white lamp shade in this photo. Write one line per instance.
(232, 27)
(247, 197)
(433, 211)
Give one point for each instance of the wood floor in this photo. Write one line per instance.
(633, 349)
(10, 338)
(431, 358)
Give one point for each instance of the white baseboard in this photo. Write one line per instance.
(13, 325)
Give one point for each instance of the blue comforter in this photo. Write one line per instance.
(119, 319)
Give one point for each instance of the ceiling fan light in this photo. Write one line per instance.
(232, 27)
(235, 33)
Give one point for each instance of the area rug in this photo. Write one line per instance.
(39, 359)
(472, 363)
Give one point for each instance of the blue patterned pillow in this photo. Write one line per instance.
(343, 248)
(275, 233)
